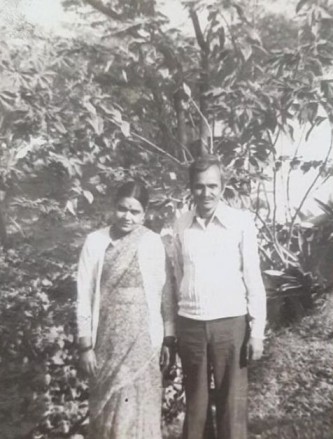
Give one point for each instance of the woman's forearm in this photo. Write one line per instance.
(85, 342)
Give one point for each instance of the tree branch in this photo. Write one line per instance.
(157, 148)
(99, 6)
(312, 185)
(198, 32)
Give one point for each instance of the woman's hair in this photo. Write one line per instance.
(201, 164)
(133, 189)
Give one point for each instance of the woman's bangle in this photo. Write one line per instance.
(170, 341)
(82, 350)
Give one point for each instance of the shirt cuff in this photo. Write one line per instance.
(257, 329)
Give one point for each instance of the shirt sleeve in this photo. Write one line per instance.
(85, 289)
(169, 303)
(177, 258)
(256, 294)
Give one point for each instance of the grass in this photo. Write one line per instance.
(291, 390)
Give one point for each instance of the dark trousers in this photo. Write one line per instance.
(215, 347)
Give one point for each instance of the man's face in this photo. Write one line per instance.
(207, 190)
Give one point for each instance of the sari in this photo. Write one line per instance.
(126, 393)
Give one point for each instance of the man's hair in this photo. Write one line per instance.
(201, 164)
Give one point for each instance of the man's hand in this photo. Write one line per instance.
(255, 348)
(88, 362)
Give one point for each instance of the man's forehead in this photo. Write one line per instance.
(211, 173)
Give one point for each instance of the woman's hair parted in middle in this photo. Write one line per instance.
(133, 189)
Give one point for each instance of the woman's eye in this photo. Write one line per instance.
(121, 209)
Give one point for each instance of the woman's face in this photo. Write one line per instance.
(128, 215)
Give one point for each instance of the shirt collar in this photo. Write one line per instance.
(221, 214)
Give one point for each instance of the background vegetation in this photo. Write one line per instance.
(129, 93)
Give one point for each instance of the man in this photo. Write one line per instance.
(221, 304)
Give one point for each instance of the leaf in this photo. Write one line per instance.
(5, 105)
(246, 51)
(60, 127)
(57, 359)
(71, 206)
(300, 5)
(89, 196)
(323, 14)
(97, 124)
(325, 207)
(274, 273)
(23, 152)
(88, 106)
(125, 128)
(187, 90)
(124, 74)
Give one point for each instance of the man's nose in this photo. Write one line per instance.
(205, 191)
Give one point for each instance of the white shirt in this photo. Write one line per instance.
(217, 267)
(156, 282)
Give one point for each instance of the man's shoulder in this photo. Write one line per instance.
(235, 216)
(237, 211)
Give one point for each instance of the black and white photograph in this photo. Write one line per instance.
(166, 219)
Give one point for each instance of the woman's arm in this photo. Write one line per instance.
(85, 290)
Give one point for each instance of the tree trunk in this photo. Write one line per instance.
(204, 86)
(203, 83)
(181, 124)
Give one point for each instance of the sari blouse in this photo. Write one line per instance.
(156, 281)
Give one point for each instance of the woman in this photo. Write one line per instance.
(123, 300)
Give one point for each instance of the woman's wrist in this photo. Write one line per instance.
(170, 341)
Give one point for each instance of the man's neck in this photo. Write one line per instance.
(205, 217)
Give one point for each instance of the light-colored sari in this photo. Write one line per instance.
(125, 395)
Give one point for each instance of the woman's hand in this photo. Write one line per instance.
(88, 362)
(168, 355)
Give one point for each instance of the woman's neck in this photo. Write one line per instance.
(116, 234)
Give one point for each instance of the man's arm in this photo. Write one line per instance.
(256, 294)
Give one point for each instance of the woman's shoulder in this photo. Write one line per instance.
(151, 238)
